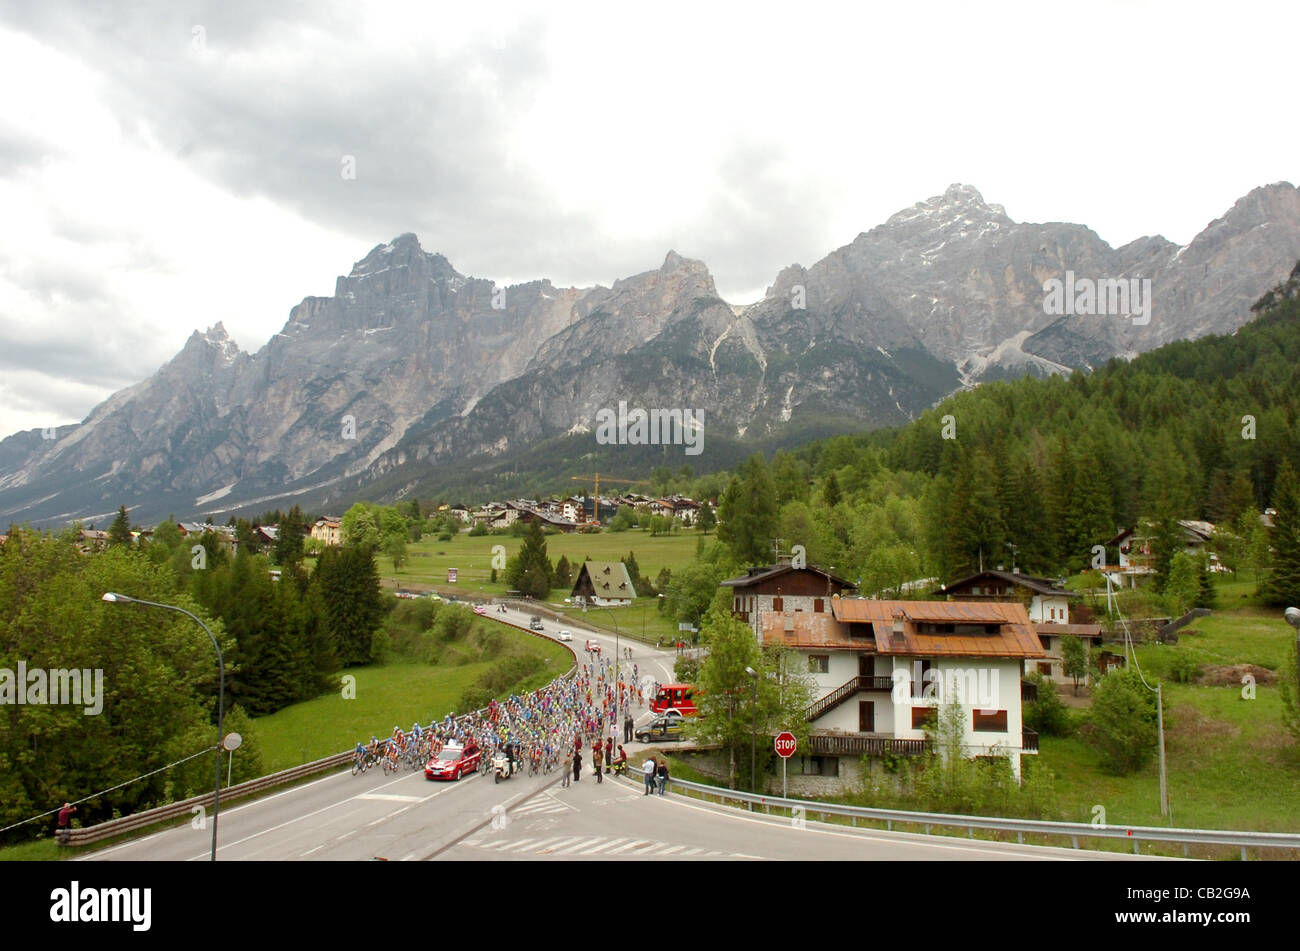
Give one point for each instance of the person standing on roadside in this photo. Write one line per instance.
(662, 773)
(65, 820)
(648, 772)
(564, 769)
(577, 763)
(627, 728)
(609, 753)
(596, 756)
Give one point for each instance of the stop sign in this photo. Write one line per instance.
(785, 745)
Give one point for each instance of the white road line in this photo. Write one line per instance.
(518, 845)
(345, 835)
(695, 851)
(310, 851)
(580, 844)
(672, 850)
(603, 847)
(541, 843)
(389, 797)
(562, 841)
(623, 848)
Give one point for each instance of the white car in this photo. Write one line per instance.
(564, 636)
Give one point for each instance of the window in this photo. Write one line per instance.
(819, 766)
(778, 603)
(922, 715)
(819, 663)
(866, 665)
(819, 605)
(990, 723)
(919, 668)
(1045, 669)
(1045, 641)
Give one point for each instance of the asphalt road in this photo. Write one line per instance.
(341, 816)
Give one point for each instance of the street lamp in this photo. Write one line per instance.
(114, 598)
(753, 737)
(1293, 618)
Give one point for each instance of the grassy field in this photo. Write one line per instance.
(395, 694)
(1230, 763)
(472, 557)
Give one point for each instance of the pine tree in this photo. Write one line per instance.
(831, 491)
(706, 520)
(120, 532)
(748, 513)
(563, 573)
(530, 572)
(1282, 586)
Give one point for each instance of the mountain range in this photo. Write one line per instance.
(413, 378)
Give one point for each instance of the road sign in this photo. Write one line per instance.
(452, 574)
(786, 745)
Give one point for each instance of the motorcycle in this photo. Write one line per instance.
(500, 767)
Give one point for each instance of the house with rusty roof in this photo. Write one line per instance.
(1048, 606)
(783, 587)
(603, 583)
(883, 668)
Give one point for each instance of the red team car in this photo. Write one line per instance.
(453, 761)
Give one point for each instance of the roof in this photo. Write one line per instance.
(1038, 585)
(759, 574)
(609, 579)
(1016, 636)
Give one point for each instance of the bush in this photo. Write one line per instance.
(380, 646)
(1123, 721)
(1047, 715)
(1183, 667)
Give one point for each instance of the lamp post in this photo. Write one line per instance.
(753, 737)
(115, 598)
(1293, 618)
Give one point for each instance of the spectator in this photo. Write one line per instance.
(577, 764)
(627, 728)
(65, 820)
(609, 753)
(564, 768)
(648, 770)
(662, 772)
(596, 757)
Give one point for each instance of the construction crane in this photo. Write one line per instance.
(596, 479)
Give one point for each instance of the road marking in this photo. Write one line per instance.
(390, 797)
(345, 835)
(675, 848)
(561, 841)
(310, 851)
(580, 844)
(623, 848)
(606, 845)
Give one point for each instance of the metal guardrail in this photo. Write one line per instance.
(1072, 830)
(175, 810)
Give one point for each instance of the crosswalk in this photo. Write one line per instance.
(541, 806)
(595, 845)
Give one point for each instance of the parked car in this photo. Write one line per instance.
(453, 761)
(535, 624)
(565, 635)
(668, 726)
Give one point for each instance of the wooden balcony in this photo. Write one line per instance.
(1028, 740)
(862, 744)
(837, 696)
(1028, 691)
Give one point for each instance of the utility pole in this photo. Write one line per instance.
(1160, 727)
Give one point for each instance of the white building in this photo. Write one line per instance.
(883, 667)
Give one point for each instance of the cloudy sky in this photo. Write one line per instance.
(175, 164)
